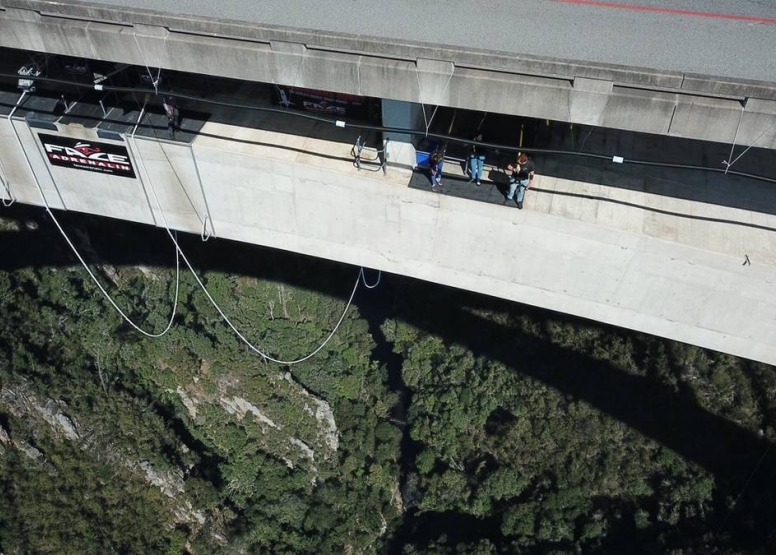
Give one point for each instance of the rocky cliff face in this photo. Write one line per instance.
(47, 419)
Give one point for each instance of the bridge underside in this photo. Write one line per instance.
(655, 251)
(665, 103)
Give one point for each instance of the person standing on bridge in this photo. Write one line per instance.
(436, 162)
(520, 180)
(476, 161)
(173, 115)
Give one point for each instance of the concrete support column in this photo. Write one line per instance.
(287, 63)
(758, 124)
(397, 113)
(588, 100)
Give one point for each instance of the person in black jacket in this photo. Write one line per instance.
(173, 115)
(522, 174)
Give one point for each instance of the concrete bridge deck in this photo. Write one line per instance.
(703, 71)
(640, 259)
(712, 37)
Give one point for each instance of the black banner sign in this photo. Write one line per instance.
(336, 104)
(87, 155)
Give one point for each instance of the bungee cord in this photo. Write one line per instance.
(258, 350)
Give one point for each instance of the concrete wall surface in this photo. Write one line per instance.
(332, 211)
(636, 99)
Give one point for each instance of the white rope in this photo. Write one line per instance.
(154, 82)
(145, 63)
(447, 85)
(220, 311)
(7, 202)
(363, 279)
(139, 118)
(428, 122)
(582, 146)
(735, 138)
(6, 182)
(99, 285)
(78, 255)
(746, 485)
(161, 56)
(420, 95)
(728, 164)
(86, 267)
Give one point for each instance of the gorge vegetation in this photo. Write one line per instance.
(435, 421)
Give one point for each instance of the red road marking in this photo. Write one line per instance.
(673, 11)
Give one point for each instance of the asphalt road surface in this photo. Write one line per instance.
(735, 39)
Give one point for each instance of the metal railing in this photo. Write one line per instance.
(368, 157)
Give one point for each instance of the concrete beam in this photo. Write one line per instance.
(151, 45)
(705, 84)
(434, 78)
(386, 78)
(504, 93)
(231, 58)
(588, 100)
(758, 124)
(494, 82)
(333, 71)
(484, 59)
(638, 110)
(709, 119)
(287, 63)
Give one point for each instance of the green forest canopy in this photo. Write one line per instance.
(436, 421)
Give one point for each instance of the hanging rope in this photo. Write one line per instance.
(363, 279)
(735, 138)
(4, 180)
(426, 121)
(154, 81)
(180, 254)
(261, 352)
(139, 117)
(78, 255)
(7, 202)
(99, 285)
(746, 485)
(757, 140)
(420, 95)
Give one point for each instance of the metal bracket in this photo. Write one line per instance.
(102, 104)
(68, 107)
(377, 157)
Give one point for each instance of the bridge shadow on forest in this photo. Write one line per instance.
(658, 411)
(672, 418)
